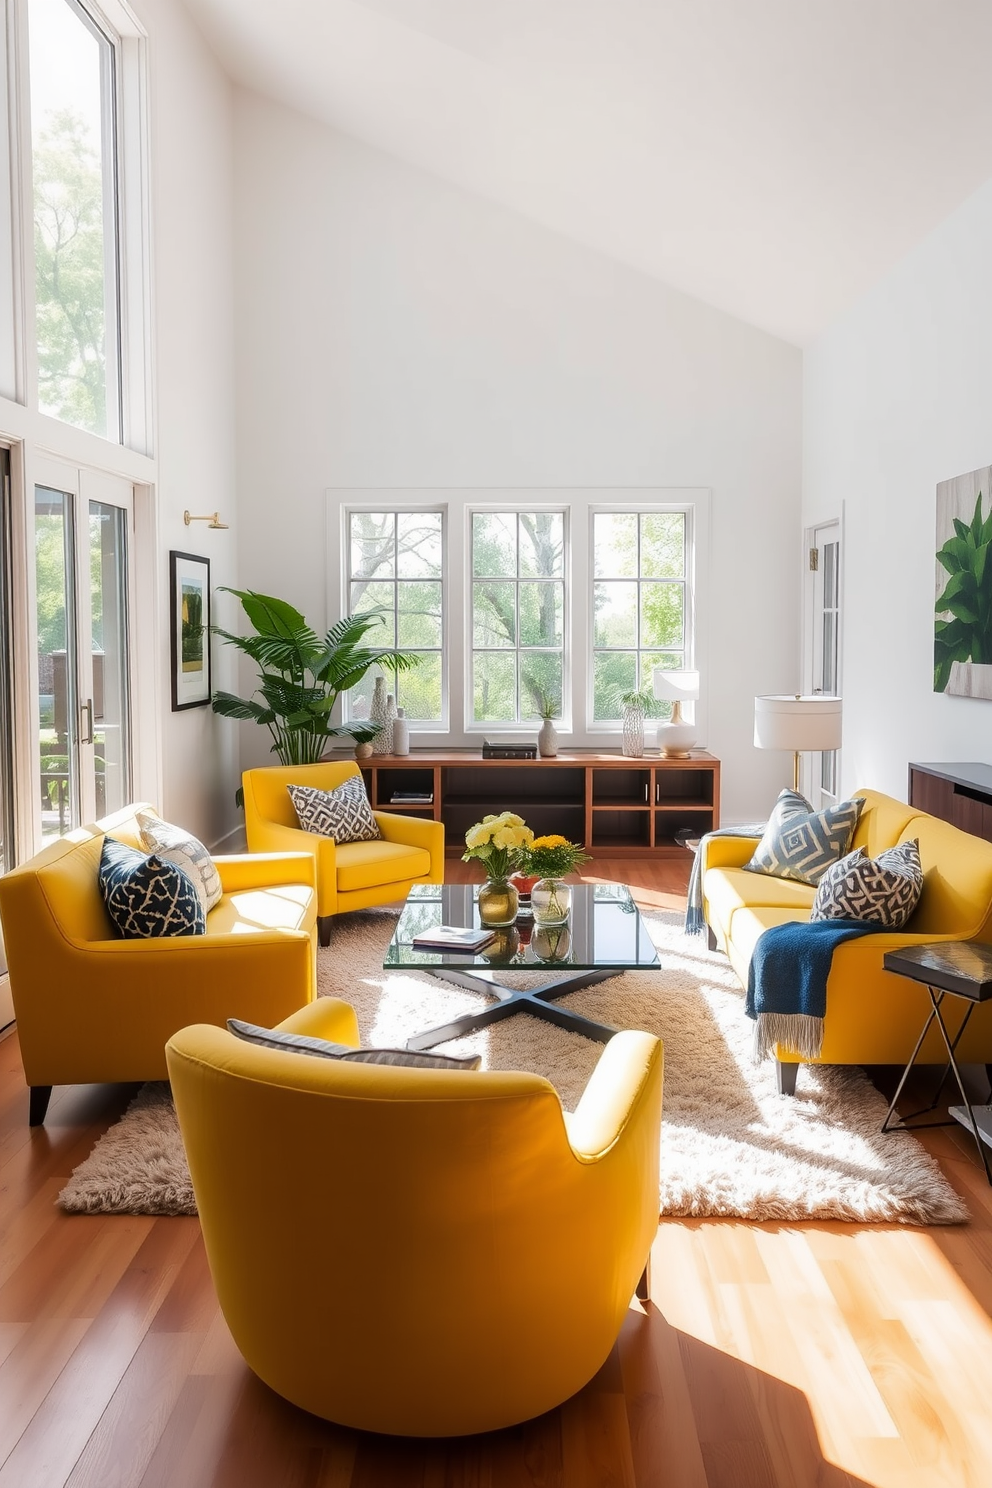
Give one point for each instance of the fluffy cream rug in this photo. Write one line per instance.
(731, 1145)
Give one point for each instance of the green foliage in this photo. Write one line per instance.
(70, 274)
(301, 675)
(966, 598)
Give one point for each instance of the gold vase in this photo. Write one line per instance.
(498, 903)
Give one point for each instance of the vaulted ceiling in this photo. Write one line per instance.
(773, 157)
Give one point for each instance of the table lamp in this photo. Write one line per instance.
(797, 722)
(676, 737)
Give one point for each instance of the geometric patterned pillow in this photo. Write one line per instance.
(879, 891)
(800, 843)
(146, 897)
(344, 813)
(302, 1043)
(176, 845)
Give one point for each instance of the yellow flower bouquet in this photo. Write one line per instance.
(499, 843)
(554, 856)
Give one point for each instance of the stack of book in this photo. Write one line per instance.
(453, 938)
(411, 798)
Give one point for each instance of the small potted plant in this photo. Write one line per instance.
(548, 709)
(634, 706)
(552, 857)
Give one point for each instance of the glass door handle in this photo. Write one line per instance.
(86, 737)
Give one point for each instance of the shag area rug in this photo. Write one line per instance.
(730, 1144)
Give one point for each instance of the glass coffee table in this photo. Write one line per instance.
(604, 936)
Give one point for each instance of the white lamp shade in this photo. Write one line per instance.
(784, 721)
(675, 687)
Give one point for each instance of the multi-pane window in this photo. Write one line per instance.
(396, 570)
(640, 604)
(75, 216)
(518, 615)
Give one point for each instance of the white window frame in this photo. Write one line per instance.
(474, 727)
(417, 726)
(577, 730)
(689, 613)
(35, 438)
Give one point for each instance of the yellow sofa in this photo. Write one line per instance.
(352, 875)
(872, 1016)
(93, 1007)
(418, 1252)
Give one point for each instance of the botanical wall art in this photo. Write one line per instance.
(963, 609)
(190, 617)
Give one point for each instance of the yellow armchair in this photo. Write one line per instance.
(478, 1249)
(92, 1007)
(351, 875)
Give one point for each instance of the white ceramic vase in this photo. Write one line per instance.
(547, 740)
(382, 711)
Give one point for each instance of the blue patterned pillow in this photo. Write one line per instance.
(344, 813)
(800, 843)
(146, 897)
(880, 891)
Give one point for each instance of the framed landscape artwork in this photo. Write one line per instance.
(962, 657)
(190, 630)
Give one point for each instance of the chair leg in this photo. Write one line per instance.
(643, 1289)
(712, 944)
(786, 1077)
(324, 929)
(40, 1096)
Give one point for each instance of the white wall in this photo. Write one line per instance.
(898, 397)
(192, 230)
(395, 331)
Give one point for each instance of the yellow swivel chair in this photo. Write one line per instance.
(351, 875)
(418, 1252)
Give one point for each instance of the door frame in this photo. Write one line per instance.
(83, 485)
(812, 538)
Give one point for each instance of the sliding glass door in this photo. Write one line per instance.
(82, 522)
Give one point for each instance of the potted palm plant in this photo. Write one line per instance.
(302, 675)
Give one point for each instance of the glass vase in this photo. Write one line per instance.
(498, 903)
(551, 943)
(550, 900)
(633, 730)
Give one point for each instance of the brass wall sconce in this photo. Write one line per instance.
(212, 519)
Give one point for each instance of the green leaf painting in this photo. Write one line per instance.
(963, 610)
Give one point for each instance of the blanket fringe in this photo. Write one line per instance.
(798, 1032)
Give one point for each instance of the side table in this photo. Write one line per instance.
(955, 968)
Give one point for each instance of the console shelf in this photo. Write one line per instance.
(616, 806)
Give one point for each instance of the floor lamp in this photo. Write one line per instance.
(796, 722)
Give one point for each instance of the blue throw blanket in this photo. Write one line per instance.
(787, 983)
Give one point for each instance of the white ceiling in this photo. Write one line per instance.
(773, 157)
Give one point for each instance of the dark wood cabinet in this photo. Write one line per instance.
(959, 794)
(616, 806)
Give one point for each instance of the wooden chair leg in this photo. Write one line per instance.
(40, 1096)
(324, 929)
(643, 1289)
(712, 944)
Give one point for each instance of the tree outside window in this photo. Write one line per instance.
(518, 615)
(395, 568)
(640, 605)
(74, 216)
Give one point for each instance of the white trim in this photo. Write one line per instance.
(577, 501)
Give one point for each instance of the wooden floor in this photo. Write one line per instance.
(810, 1354)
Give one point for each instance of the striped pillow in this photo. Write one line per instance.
(301, 1043)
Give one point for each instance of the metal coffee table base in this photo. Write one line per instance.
(535, 1000)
